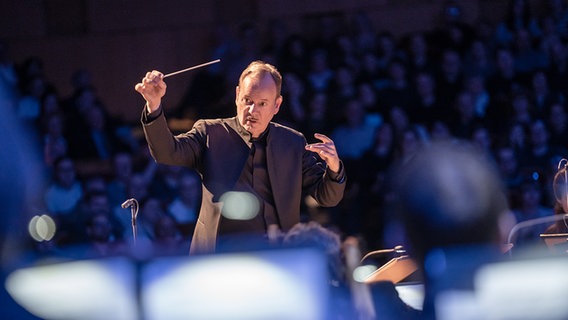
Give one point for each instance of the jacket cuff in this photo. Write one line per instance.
(149, 117)
(338, 177)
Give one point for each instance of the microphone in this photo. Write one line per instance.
(399, 250)
(127, 203)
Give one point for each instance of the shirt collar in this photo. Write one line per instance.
(247, 136)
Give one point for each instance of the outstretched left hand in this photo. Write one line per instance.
(326, 150)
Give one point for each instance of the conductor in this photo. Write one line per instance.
(246, 159)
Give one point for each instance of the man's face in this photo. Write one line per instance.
(257, 102)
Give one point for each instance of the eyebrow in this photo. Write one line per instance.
(250, 98)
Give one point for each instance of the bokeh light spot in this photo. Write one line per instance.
(239, 205)
(361, 273)
(42, 228)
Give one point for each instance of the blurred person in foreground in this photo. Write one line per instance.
(242, 156)
(313, 234)
(453, 209)
(21, 180)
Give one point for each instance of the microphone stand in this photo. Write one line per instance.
(133, 204)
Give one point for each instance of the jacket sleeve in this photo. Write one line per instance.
(181, 150)
(325, 186)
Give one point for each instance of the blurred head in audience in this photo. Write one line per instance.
(449, 195)
(313, 234)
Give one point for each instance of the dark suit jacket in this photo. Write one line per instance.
(218, 152)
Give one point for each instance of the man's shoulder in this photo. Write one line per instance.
(212, 124)
(285, 130)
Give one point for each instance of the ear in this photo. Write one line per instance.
(236, 94)
(278, 103)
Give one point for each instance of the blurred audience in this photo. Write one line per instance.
(498, 84)
(65, 191)
(450, 136)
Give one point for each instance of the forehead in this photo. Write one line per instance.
(259, 84)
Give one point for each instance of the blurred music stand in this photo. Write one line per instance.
(555, 241)
(396, 270)
(293, 282)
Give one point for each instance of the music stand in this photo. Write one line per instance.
(396, 270)
(555, 240)
(293, 282)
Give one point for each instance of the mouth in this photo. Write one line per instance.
(250, 120)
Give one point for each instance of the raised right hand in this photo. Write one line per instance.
(152, 88)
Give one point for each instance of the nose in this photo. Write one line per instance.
(252, 108)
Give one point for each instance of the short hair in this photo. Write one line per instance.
(261, 68)
(313, 234)
(449, 194)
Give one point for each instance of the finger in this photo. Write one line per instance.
(328, 146)
(153, 83)
(322, 137)
(153, 77)
(147, 80)
(319, 149)
(316, 147)
(156, 76)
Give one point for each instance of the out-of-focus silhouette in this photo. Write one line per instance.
(451, 202)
